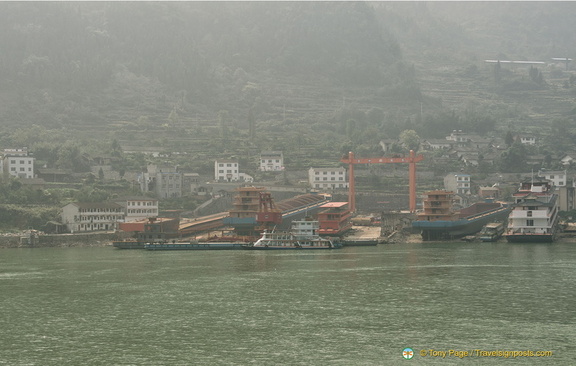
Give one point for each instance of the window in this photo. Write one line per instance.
(529, 214)
(529, 222)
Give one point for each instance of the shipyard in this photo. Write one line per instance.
(287, 183)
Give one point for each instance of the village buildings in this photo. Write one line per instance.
(327, 178)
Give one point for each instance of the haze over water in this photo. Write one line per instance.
(355, 306)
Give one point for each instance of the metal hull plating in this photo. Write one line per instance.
(534, 238)
(453, 229)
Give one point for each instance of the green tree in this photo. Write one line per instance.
(514, 159)
(509, 138)
(410, 139)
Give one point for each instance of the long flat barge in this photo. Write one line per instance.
(195, 246)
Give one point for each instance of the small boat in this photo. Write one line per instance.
(360, 242)
(491, 232)
(303, 235)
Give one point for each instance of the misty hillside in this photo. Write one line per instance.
(144, 54)
(198, 67)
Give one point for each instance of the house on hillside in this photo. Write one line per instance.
(489, 192)
(18, 163)
(138, 207)
(568, 158)
(436, 144)
(327, 178)
(164, 181)
(458, 183)
(527, 139)
(271, 161)
(54, 175)
(557, 177)
(226, 170)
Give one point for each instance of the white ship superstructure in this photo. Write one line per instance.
(534, 217)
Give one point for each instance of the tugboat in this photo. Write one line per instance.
(303, 235)
(491, 232)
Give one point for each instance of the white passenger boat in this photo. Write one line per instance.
(302, 235)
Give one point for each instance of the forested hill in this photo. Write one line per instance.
(365, 70)
(83, 60)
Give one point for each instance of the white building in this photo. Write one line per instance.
(557, 177)
(327, 178)
(226, 170)
(164, 181)
(527, 139)
(18, 163)
(458, 183)
(92, 216)
(271, 161)
(138, 208)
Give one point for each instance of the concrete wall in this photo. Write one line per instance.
(62, 240)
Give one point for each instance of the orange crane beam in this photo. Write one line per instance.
(412, 159)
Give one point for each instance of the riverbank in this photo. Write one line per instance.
(103, 239)
(35, 240)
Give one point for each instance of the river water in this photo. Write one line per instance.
(354, 306)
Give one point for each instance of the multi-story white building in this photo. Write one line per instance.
(18, 163)
(92, 216)
(271, 161)
(164, 181)
(458, 183)
(138, 208)
(327, 178)
(226, 170)
(557, 177)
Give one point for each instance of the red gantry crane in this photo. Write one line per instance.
(412, 159)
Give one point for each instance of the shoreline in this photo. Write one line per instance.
(105, 239)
